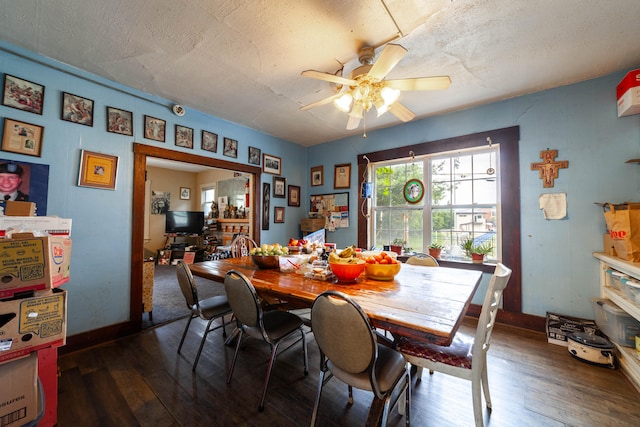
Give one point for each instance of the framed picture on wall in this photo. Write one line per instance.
(342, 176)
(185, 193)
(22, 94)
(22, 138)
(119, 121)
(31, 185)
(293, 198)
(97, 170)
(184, 136)
(266, 204)
(254, 156)
(317, 176)
(77, 109)
(279, 187)
(154, 128)
(278, 215)
(230, 148)
(271, 164)
(209, 141)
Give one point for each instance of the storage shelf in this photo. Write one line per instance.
(628, 359)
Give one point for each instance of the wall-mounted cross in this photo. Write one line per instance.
(548, 167)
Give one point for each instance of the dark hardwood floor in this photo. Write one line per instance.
(141, 381)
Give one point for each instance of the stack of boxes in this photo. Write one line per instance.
(35, 255)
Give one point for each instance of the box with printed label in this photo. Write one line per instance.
(33, 263)
(19, 391)
(29, 324)
(51, 225)
(628, 92)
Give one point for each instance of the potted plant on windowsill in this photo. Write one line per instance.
(435, 249)
(479, 252)
(466, 245)
(397, 245)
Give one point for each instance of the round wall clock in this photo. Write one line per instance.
(413, 191)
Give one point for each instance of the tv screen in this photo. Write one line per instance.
(184, 222)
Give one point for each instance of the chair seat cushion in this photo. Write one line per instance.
(278, 324)
(214, 306)
(459, 353)
(389, 367)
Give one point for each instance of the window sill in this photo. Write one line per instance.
(487, 267)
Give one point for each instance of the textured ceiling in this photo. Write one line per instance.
(241, 59)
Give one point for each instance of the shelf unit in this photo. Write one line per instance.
(629, 362)
(225, 228)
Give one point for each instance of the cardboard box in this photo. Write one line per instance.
(19, 391)
(59, 258)
(559, 326)
(33, 323)
(51, 225)
(628, 92)
(19, 208)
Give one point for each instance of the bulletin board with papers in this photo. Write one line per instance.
(333, 207)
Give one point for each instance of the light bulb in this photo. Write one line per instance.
(389, 95)
(343, 103)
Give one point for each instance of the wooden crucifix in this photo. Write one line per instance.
(548, 167)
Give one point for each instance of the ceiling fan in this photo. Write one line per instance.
(367, 88)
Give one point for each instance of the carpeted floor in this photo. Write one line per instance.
(168, 302)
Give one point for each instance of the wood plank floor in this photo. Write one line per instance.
(141, 381)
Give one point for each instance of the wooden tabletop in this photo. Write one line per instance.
(426, 303)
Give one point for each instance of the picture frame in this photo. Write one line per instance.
(230, 148)
(22, 138)
(185, 193)
(293, 196)
(77, 109)
(279, 187)
(342, 176)
(278, 215)
(271, 164)
(33, 185)
(119, 121)
(266, 204)
(413, 191)
(22, 94)
(97, 170)
(317, 176)
(155, 128)
(184, 136)
(209, 141)
(254, 156)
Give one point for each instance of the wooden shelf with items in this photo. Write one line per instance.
(225, 228)
(629, 361)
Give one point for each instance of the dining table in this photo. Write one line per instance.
(423, 303)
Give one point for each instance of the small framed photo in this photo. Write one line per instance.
(293, 198)
(317, 176)
(22, 94)
(22, 138)
(209, 141)
(279, 187)
(77, 109)
(254, 156)
(97, 170)
(230, 148)
(154, 128)
(185, 193)
(271, 164)
(184, 136)
(119, 121)
(266, 203)
(278, 214)
(342, 176)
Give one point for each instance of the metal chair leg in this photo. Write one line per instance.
(235, 355)
(202, 341)
(184, 334)
(274, 349)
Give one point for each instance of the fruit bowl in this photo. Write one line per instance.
(266, 261)
(382, 271)
(347, 272)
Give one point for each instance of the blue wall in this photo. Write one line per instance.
(559, 272)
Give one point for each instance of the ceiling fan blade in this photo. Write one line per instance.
(421, 83)
(329, 77)
(390, 56)
(321, 102)
(353, 123)
(401, 112)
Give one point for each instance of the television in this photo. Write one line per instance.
(184, 222)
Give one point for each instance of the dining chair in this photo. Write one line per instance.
(207, 309)
(466, 357)
(271, 326)
(242, 245)
(349, 351)
(423, 259)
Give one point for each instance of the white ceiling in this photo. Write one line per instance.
(241, 59)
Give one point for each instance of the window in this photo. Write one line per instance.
(208, 196)
(461, 201)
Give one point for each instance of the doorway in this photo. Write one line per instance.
(141, 152)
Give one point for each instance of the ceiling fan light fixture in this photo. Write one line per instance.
(389, 95)
(343, 103)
